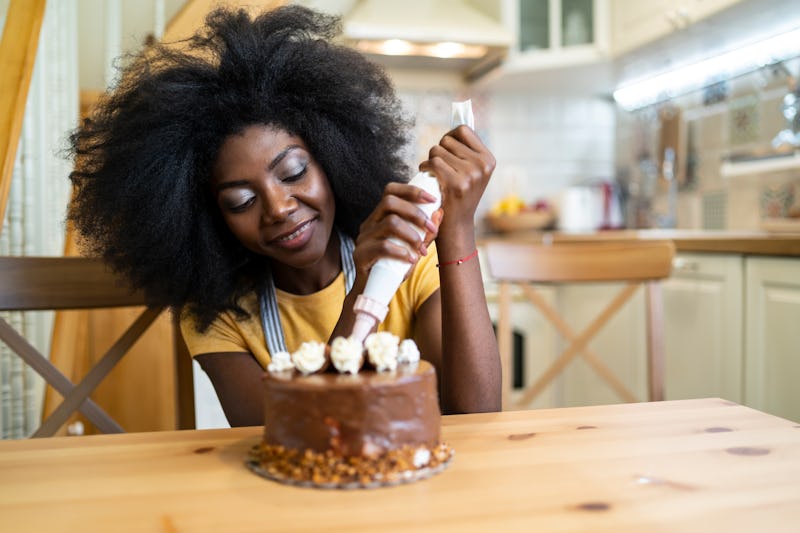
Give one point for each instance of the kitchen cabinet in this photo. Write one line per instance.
(556, 33)
(732, 330)
(772, 331)
(635, 23)
(703, 335)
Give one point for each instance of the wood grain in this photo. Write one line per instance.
(580, 261)
(691, 465)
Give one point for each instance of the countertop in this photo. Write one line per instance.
(689, 465)
(734, 242)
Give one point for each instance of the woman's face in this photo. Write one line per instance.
(274, 196)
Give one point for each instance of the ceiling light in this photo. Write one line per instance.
(401, 47)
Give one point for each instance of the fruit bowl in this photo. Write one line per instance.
(521, 221)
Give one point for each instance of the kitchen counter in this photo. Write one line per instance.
(733, 242)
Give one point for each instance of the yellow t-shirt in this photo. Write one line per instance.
(310, 317)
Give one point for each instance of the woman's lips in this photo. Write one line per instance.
(297, 238)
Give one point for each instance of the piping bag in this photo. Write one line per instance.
(387, 274)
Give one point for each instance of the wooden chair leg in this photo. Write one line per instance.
(54, 377)
(184, 381)
(505, 342)
(99, 371)
(655, 341)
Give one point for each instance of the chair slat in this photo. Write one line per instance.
(43, 283)
(579, 262)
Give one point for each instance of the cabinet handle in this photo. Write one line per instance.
(685, 265)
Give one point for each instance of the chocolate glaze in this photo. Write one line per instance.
(365, 414)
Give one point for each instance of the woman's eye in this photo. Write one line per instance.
(296, 173)
(237, 203)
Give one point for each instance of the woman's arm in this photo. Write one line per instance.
(470, 366)
(237, 379)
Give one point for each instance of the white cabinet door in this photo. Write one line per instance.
(635, 23)
(703, 327)
(772, 365)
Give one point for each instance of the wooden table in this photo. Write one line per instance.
(692, 465)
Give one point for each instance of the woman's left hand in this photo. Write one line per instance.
(463, 166)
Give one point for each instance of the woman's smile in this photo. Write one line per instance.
(298, 237)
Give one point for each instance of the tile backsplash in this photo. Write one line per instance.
(545, 141)
(542, 142)
(745, 120)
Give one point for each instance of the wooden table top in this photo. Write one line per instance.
(691, 465)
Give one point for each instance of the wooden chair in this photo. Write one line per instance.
(636, 263)
(59, 283)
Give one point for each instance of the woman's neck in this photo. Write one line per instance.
(313, 278)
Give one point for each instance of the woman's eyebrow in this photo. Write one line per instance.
(283, 153)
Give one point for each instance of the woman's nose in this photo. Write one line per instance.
(278, 204)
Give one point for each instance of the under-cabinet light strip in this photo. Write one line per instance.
(695, 76)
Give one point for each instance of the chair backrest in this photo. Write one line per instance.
(45, 283)
(580, 261)
(634, 263)
(81, 283)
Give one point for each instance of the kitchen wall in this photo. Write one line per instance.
(543, 141)
(738, 117)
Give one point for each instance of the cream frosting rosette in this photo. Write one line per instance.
(280, 362)
(408, 352)
(382, 349)
(310, 357)
(347, 355)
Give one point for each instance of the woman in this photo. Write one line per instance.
(252, 180)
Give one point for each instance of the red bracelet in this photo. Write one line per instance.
(459, 261)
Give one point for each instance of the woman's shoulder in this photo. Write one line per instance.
(226, 319)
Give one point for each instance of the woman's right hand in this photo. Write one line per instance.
(394, 218)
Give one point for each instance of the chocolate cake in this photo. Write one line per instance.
(364, 429)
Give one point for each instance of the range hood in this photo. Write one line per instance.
(440, 34)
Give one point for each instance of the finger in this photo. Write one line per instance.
(369, 252)
(430, 235)
(461, 160)
(467, 136)
(408, 192)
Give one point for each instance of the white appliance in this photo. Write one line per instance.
(591, 207)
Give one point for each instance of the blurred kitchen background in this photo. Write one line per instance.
(602, 114)
(543, 87)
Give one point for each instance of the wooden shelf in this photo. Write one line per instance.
(760, 166)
